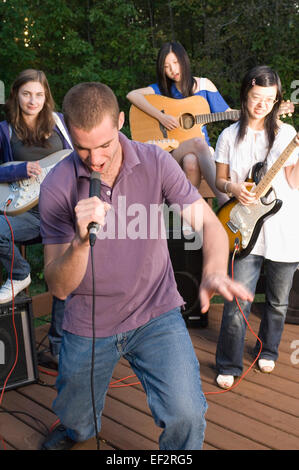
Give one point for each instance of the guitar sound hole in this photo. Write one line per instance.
(187, 121)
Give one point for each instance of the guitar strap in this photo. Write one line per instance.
(62, 129)
(202, 83)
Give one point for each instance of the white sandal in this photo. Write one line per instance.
(266, 365)
(225, 381)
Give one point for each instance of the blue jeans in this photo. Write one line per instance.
(25, 227)
(162, 357)
(279, 279)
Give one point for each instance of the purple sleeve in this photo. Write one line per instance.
(56, 212)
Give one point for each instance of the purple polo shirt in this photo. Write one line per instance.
(134, 278)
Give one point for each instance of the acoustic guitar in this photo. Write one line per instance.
(21, 195)
(243, 223)
(192, 113)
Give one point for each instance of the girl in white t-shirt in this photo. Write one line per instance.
(259, 137)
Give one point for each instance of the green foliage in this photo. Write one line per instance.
(34, 255)
(117, 42)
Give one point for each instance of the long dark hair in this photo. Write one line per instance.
(264, 76)
(187, 82)
(44, 123)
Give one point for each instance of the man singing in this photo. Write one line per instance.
(137, 306)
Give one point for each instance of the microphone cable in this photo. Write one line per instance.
(8, 202)
(93, 350)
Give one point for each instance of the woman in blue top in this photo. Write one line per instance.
(31, 131)
(174, 79)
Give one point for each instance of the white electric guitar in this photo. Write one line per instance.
(20, 196)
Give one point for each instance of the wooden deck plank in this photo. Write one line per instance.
(246, 426)
(18, 434)
(262, 412)
(29, 411)
(225, 439)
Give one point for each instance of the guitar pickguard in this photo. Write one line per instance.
(22, 195)
(22, 192)
(245, 219)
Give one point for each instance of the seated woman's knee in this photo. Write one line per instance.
(190, 163)
(199, 144)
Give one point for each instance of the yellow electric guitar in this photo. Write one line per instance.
(243, 223)
(20, 196)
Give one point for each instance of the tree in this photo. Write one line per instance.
(117, 42)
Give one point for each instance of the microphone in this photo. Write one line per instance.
(94, 190)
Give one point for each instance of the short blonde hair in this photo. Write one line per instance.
(86, 104)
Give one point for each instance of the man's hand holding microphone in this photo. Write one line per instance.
(91, 212)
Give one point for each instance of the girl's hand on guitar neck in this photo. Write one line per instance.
(242, 191)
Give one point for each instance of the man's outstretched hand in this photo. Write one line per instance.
(221, 284)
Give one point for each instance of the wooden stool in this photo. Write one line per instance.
(206, 192)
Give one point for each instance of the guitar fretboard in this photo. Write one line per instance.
(214, 117)
(265, 183)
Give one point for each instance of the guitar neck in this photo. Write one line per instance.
(214, 117)
(265, 183)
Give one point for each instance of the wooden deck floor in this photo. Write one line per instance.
(261, 413)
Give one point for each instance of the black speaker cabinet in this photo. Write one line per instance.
(187, 266)
(25, 370)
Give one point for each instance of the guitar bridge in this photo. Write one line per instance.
(232, 227)
(162, 128)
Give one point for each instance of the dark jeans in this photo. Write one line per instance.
(55, 331)
(279, 279)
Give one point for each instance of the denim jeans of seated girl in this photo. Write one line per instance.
(25, 227)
